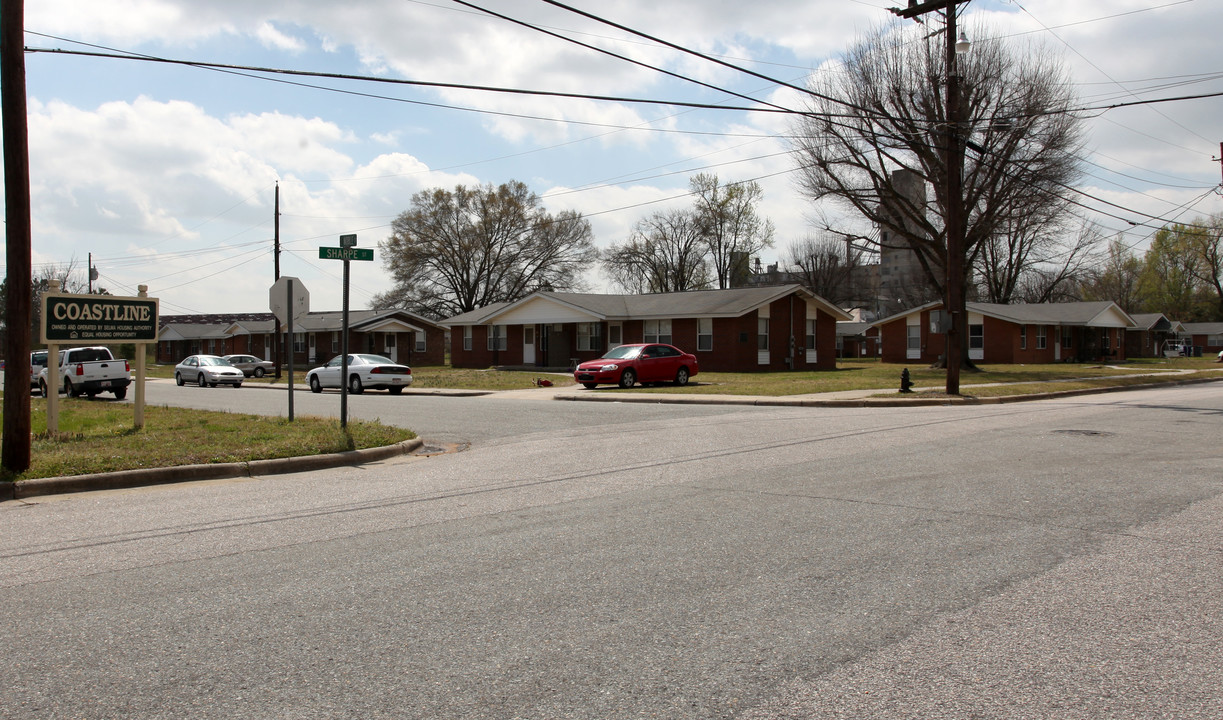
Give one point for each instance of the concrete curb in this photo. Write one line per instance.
(212, 471)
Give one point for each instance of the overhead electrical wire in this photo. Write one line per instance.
(223, 67)
(240, 69)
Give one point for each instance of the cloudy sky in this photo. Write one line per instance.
(166, 173)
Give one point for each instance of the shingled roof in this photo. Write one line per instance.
(734, 302)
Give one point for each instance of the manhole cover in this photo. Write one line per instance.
(1092, 433)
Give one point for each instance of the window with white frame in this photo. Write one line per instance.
(615, 335)
(590, 336)
(496, 337)
(1067, 338)
(1023, 337)
(811, 333)
(913, 338)
(704, 334)
(299, 342)
(762, 333)
(467, 337)
(335, 342)
(1042, 340)
(1104, 338)
(976, 337)
(420, 341)
(657, 331)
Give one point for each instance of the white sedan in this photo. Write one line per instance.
(207, 370)
(364, 371)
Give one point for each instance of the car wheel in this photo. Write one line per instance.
(69, 391)
(237, 385)
(681, 377)
(120, 393)
(212, 384)
(258, 372)
(396, 390)
(315, 385)
(178, 379)
(590, 386)
(628, 378)
(354, 385)
(201, 381)
(42, 387)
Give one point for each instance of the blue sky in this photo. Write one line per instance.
(166, 173)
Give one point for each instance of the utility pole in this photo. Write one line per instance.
(276, 268)
(954, 296)
(15, 438)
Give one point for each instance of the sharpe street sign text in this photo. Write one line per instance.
(98, 318)
(349, 253)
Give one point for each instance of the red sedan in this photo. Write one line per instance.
(627, 365)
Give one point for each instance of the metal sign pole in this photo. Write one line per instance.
(290, 348)
(344, 353)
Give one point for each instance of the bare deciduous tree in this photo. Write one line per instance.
(728, 223)
(884, 110)
(825, 266)
(664, 253)
(1035, 264)
(1210, 251)
(1116, 279)
(457, 250)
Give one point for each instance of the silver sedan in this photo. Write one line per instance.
(207, 370)
(364, 372)
(251, 366)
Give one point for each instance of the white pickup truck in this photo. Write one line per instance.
(89, 371)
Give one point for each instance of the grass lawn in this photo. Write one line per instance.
(97, 436)
(874, 375)
(850, 375)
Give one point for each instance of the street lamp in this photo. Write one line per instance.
(962, 45)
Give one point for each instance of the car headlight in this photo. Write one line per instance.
(613, 366)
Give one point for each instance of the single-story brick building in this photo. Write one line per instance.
(737, 330)
(857, 340)
(1205, 335)
(400, 335)
(1150, 335)
(1022, 333)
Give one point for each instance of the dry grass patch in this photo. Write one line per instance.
(97, 436)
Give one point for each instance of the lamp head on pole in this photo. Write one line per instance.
(962, 45)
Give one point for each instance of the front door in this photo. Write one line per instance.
(528, 345)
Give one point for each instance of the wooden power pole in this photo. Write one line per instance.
(954, 291)
(15, 442)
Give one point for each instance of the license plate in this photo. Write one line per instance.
(105, 383)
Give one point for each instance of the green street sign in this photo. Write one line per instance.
(349, 253)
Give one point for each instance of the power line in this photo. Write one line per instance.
(239, 69)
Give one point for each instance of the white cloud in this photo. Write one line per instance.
(273, 38)
(166, 169)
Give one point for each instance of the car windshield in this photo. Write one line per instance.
(205, 360)
(623, 352)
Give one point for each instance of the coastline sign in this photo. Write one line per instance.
(98, 318)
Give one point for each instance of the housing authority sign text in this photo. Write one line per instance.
(98, 318)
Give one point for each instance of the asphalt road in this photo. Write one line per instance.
(1051, 559)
